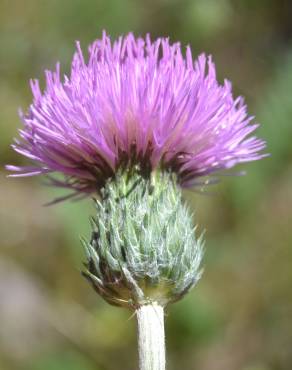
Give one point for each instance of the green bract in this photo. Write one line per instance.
(143, 246)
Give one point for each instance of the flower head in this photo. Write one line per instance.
(134, 101)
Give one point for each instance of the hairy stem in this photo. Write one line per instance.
(151, 343)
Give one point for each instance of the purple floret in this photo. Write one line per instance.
(139, 99)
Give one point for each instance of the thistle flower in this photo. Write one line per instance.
(135, 124)
(134, 101)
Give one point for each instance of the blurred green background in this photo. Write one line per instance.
(239, 317)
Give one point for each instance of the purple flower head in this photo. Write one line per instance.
(134, 101)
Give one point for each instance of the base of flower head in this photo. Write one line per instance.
(143, 246)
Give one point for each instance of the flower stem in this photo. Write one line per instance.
(151, 343)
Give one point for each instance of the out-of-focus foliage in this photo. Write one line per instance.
(239, 315)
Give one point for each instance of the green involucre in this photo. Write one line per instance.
(143, 246)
